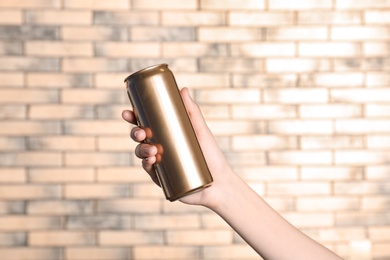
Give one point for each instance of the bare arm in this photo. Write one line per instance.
(229, 196)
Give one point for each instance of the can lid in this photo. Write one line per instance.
(147, 69)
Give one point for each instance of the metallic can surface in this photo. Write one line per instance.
(180, 167)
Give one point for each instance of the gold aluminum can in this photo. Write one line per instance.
(159, 109)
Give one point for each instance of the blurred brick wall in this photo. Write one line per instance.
(296, 92)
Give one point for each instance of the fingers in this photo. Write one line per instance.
(138, 134)
(145, 151)
(129, 116)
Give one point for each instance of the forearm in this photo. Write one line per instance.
(262, 227)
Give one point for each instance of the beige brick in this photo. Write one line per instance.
(83, 191)
(215, 111)
(59, 207)
(300, 5)
(381, 250)
(13, 112)
(11, 223)
(330, 111)
(16, 128)
(19, 96)
(360, 95)
(361, 126)
(61, 143)
(116, 144)
(266, 81)
(230, 127)
(228, 96)
(49, 17)
(172, 222)
(332, 142)
(377, 17)
(263, 49)
(317, 204)
(110, 80)
(232, 5)
(354, 33)
(31, 4)
(375, 203)
(358, 187)
(99, 222)
(297, 33)
(376, 49)
(230, 252)
(122, 174)
(332, 173)
(55, 49)
(300, 127)
(28, 253)
(213, 221)
(379, 233)
(263, 142)
(338, 235)
(333, 49)
(11, 79)
(229, 34)
(169, 4)
(190, 18)
(54, 175)
(102, 127)
(165, 252)
(127, 49)
(312, 17)
(62, 238)
(30, 192)
(361, 218)
(127, 238)
(193, 49)
(23, 63)
(377, 111)
(142, 206)
(377, 172)
(378, 79)
(98, 5)
(361, 4)
(12, 175)
(96, 253)
(202, 80)
(301, 158)
(297, 65)
(93, 65)
(93, 96)
(267, 173)
(299, 188)
(11, 17)
(360, 157)
(296, 96)
(58, 80)
(251, 18)
(381, 141)
(60, 112)
(200, 237)
(13, 239)
(147, 190)
(263, 111)
(12, 143)
(12, 207)
(126, 18)
(31, 159)
(174, 34)
(93, 33)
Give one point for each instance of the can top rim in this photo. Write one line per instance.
(146, 69)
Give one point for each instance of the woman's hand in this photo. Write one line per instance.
(216, 161)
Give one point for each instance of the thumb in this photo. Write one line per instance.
(193, 110)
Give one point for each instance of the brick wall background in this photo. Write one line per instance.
(296, 92)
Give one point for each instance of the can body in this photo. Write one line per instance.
(180, 166)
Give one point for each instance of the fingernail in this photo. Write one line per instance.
(136, 133)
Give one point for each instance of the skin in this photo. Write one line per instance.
(265, 230)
